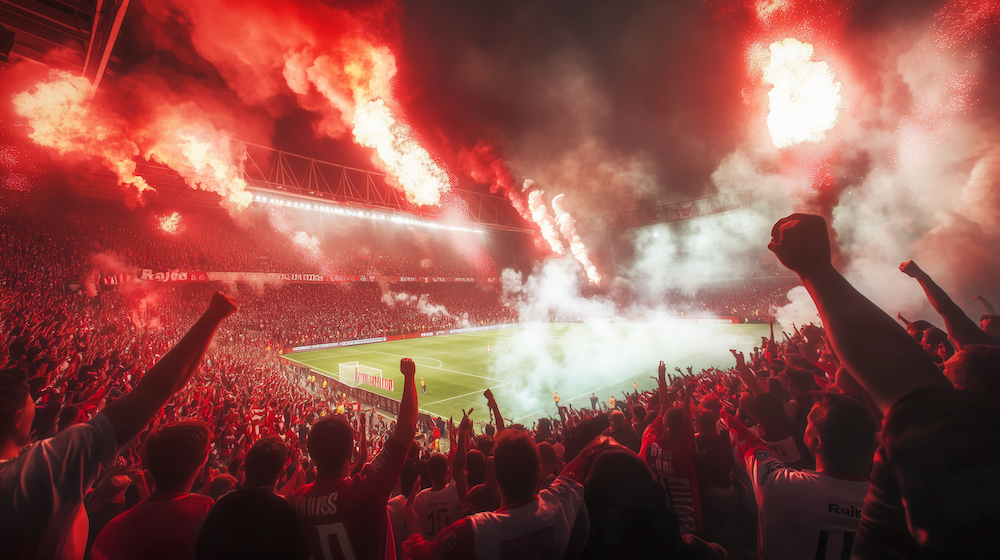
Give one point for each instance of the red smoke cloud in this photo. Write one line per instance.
(145, 114)
(484, 164)
(328, 60)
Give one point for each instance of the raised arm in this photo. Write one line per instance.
(662, 386)
(362, 457)
(961, 328)
(687, 428)
(406, 423)
(986, 304)
(747, 376)
(130, 414)
(461, 480)
(880, 355)
(492, 403)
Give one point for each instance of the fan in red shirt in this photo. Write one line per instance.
(345, 515)
(163, 525)
(670, 454)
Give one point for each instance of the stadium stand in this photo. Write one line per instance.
(813, 446)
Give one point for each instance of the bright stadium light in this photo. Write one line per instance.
(371, 215)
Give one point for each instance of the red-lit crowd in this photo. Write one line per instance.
(207, 240)
(866, 438)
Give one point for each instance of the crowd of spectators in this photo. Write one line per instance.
(855, 439)
(752, 299)
(208, 240)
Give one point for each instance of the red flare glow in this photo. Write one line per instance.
(789, 55)
(484, 164)
(61, 116)
(170, 223)
(804, 99)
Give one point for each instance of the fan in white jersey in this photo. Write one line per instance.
(811, 514)
(540, 523)
(440, 505)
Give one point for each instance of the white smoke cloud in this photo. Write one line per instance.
(595, 348)
(687, 255)
(801, 310)
(422, 304)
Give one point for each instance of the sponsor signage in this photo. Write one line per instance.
(186, 276)
(469, 330)
(170, 276)
(338, 344)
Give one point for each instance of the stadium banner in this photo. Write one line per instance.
(279, 277)
(169, 276)
(725, 320)
(428, 279)
(464, 330)
(363, 396)
(483, 328)
(395, 337)
(338, 344)
(373, 380)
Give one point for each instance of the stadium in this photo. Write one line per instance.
(317, 279)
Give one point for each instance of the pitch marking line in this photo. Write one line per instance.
(439, 366)
(465, 395)
(450, 370)
(332, 375)
(328, 357)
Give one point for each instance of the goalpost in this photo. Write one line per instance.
(354, 374)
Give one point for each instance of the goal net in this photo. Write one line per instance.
(355, 374)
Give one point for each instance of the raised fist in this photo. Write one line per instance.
(406, 367)
(222, 306)
(740, 360)
(489, 395)
(910, 269)
(801, 242)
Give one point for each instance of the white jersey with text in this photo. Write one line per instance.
(436, 509)
(536, 529)
(801, 514)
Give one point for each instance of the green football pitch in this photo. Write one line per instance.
(527, 364)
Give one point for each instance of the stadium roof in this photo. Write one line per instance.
(267, 170)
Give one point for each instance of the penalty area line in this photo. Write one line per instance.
(450, 370)
(479, 391)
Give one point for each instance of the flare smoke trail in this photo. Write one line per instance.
(567, 225)
(540, 214)
(484, 165)
(328, 60)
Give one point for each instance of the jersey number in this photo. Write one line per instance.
(824, 542)
(343, 549)
(437, 520)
